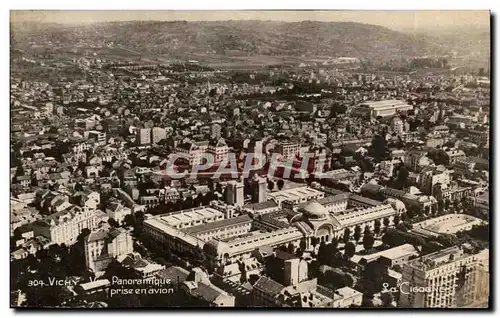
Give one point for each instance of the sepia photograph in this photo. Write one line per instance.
(330, 159)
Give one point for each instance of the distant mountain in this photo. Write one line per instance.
(239, 38)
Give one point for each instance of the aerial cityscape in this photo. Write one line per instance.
(164, 162)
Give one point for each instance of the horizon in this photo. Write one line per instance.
(395, 20)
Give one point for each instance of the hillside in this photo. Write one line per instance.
(236, 38)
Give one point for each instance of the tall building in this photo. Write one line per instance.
(143, 136)
(433, 175)
(66, 225)
(101, 247)
(482, 293)
(443, 279)
(234, 193)
(259, 189)
(397, 125)
(288, 150)
(256, 146)
(218, 149)
(295, 271)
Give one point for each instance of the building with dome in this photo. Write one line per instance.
(225, 239)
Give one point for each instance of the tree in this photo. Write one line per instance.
(280, 184)
(386, 222)
(440, 206)
(368, 241)
(112, 222)
(379, 147)
(19, 171)
(210, 184)
(376, 228)
(83, 234)
(334, 244)
(403, 217)
(78, 187)
(302, 245)
(347, 233)
(417, 241)
(412, 211)
(396, 219)
(128, 220)
(270, 185)
(403, 174)
(188, 203)
(350, 250)
(323, 254)
(386, 299)
(447, 204)
(357, 233)
(392, 238)
(367, 230)
(218, 188)
(448, 240)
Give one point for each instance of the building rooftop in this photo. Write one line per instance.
(192, 215)
(299, 193)
(219, 224)
(268, 286)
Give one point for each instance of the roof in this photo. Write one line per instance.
(268, 286)
(346, 292)
(208, 292)
(97, 236)
(363, 199)
(174, 273)
(390, 103)
(393, 253)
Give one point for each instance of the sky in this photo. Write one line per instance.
(397, 20)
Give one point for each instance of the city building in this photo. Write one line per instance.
(443, 279)
(157, 134)
(446, 224)
(384, 108)
(143, 136)
(234, 193)
(65, 226)
(288, 150)
(102, 246)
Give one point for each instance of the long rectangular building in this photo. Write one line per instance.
(383, 108)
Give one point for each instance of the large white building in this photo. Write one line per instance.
(65, 226)
(227, 239)
(288, 150)
(443, 279)
(296, 195)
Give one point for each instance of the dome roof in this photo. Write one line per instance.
(315, 210)
(397, 205)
